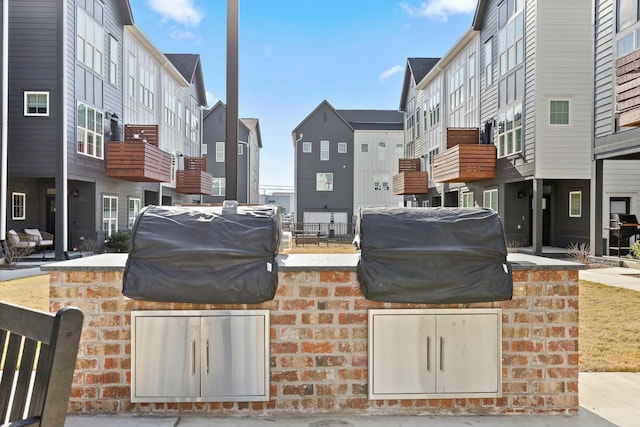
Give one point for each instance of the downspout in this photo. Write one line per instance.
(5, 115)
(65, 190)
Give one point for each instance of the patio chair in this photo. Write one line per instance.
(43, 239)
(20, 240)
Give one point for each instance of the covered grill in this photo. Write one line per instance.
(204, 255)
(433, 255)
(622, 227)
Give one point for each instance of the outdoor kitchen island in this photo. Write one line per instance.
(317, 344)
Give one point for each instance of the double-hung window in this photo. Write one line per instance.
(134, 209)
(90, 136)
(468, 200)
(510, 130)
(109, 215)
(219, 186)
(342, 147)
(575, 204)
(220, 152)
(18, 206)
(306, 147)
(36, 103)
(490, 199)
(324, 150)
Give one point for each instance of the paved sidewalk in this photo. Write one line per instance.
(621, 277)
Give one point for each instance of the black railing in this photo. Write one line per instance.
(317, 233)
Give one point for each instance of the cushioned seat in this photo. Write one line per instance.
(20, 240)
(43, 239)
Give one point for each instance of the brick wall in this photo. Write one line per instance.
(319, 347)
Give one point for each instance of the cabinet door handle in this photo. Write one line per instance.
(442, 354)
(193, 358)
(207, 359)
(428, 354)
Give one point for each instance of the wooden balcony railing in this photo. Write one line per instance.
(194, 179)
(465, 163)
(458, 136)
(138, 161)
(145, 133)
(628, 89)
(410, 180)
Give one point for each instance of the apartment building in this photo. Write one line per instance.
(214, 149)
(515, 107)
(344, 160)
(99, 121)
(616, 126)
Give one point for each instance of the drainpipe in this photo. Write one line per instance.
(231, 142)
(62, 190)
(5, 121)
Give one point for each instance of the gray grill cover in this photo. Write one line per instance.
(203, 255)
(433, 255)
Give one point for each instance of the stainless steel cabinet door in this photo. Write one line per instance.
(234, 353)
(166, 363)
(468, 351)
(403, 361)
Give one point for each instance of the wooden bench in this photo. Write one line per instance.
(39, 351)
(306, 239)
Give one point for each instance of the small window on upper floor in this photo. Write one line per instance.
(364, 148)
(36, 103)
(342, 147)
(324, 150)
(240, 149)
(306, 147)
(559, 112)
(575, 204)
(220, 152)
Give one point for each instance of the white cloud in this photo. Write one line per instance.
(390, 72)
(440, 9)
(181, 11)
(178, 34)
(211, 99)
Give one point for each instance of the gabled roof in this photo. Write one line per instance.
(188, 64)
(414, 72)
(124, 11)
(324, 102)
(254, 125)
(373, 119)
(481, 9)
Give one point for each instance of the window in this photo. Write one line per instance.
(627, 14)
(511, 36)
(187, 122)
(382, 146)
(306, 147)
(468, 200)
(432, 158)
(456, 92)
(510, 130)
(180, 114)
(131, 77)
(240, 149)
(113, 60)
(147, 87)
(89, 41)
(490, 199)
(220, 151)
(204, 149)
(219, 187)
(434, 109)
(471, 75)
(18, 206)
(425, 204)
(36, 103)
(558, 112)
(169, 109)
(324, 150)
(134, 209)
(342, 147)
(488, 62)
(364, 148)
(324, 181)
(575, 204)
(399, 149)
(109, 215)
(381, 182)
(90, 133)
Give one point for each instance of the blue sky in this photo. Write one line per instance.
(296, 53)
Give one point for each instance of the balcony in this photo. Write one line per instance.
(410, 180)
(138, 157)
(465, 163)
(460, 136)
(628, 89)
(194, 179)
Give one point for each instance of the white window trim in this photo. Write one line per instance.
(324, 151)
(110, 220)
(26, 104)
(468, 200)
(23, 196)
(342, 147)
(113, 60)
(97, 134)
(131, 219)
(240, 149)
(549, 112)
(364, 148)
(221, 187)
(485, 193)
(307, 147)
(325, 182)
(578, 214)
(220, 151)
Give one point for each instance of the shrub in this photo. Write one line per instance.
(118, 242)
(580, 252)
(635, 249)
(14, 254)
